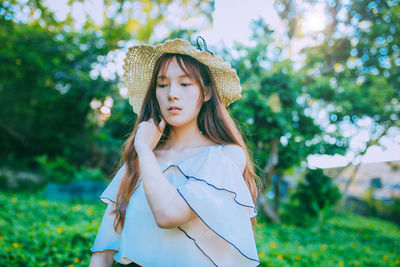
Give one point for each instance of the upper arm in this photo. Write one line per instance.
(236, 154)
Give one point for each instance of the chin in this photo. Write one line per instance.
(176, 121)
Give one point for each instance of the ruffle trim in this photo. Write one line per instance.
(194, 240)
(234, 198)
(214, 232)
(117, 251)
(211, 185)
(224, 189)
(101, 197)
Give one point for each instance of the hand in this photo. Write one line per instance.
(148, 135)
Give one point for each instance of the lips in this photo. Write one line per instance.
(174, 108)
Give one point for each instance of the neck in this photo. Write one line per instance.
(185, 136)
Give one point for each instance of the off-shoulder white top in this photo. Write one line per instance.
(213, 186)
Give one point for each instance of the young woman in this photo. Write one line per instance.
(185, 191)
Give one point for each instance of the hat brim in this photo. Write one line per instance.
(140, 61)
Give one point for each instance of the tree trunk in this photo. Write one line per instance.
(269, 171)
(267, 209)
(277, 192)
(349, 182)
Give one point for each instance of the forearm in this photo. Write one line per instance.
(102, 259)
(162, 196)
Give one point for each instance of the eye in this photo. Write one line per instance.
(162, 85)
(186, 84)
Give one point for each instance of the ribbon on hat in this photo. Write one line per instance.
(204, 48)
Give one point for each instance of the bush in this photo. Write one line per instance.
(57, 170)
(60, 171)
(312, 200)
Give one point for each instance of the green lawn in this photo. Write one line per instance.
(345, 240)
(37, 232)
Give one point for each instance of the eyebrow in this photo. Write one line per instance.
(181, 76)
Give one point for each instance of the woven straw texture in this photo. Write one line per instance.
(140, 61)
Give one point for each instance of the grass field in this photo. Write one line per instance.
(38, 232)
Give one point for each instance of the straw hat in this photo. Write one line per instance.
(140, 61)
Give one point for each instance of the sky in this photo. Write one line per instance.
(231, 21)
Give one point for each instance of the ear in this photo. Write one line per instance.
(207, 94)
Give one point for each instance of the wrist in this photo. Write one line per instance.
(141, 149)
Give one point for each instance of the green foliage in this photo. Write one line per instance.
(59, 170)
(275, 105)
(357, 73)
(51, 71)
(37, 232)
(389, 209)
(312, 199)
(344, 240)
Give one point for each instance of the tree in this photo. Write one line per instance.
(352, 66)
(52, 71)
(275, 113)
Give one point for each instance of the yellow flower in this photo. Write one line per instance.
(279, 257)
(59, 230)
(324, 246)
(397, 262)
(76, 260)
(1, 238)
(385, 258)
(356, 263)
(314, 254)
(298, 257)
(42, 263)
(14, 200)
(89, 211)
(296, 243)
(367, 249)
(71, 265)
(341, 263)
(15, 245)
(76, 207)
(261, 254)
(353, 245)
(273, 244)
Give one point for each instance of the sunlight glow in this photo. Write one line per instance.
(314, 20)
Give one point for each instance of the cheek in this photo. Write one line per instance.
(196, 97)
(159, 98)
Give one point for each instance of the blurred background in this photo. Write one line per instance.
(319, 111)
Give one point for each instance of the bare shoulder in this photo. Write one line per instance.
(236, 154)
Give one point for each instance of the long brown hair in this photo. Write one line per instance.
(213, 121)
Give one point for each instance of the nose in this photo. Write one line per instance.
(173, 93)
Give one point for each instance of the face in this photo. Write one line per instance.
(175, 88)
